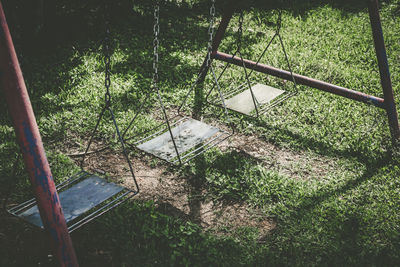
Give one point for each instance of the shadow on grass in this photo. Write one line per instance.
(345, 226)
(358, 150)
(134, 234)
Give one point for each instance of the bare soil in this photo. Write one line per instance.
(176, 196)
(295, 164)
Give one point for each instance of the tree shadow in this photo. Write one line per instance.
(360, 153)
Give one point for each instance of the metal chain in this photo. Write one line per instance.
(107, 60)
(156, 30)
(210, 33)
(238, 50)
(107, 98)
(202, 73)
(279, 22)
(209, 49)
(240, 32)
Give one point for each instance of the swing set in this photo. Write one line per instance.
(178, 140)
(85, 196)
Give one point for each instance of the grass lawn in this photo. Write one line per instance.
(336, 204)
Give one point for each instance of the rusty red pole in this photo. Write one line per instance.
(30, 142)
(383, 64)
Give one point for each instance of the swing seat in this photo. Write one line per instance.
(243, 102)
(239, 99)
(191, 136)
(83, 197)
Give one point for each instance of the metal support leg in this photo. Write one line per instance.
(384, 69)
(28, 136)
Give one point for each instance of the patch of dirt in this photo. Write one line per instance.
(177, 196)
(174, 195)
(234, 215)
(295, 164)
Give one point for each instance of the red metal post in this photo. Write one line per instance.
(384, 69)
(28, 137)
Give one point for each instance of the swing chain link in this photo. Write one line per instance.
(107, 60)
(210, 33)
(156, 30)
(279, 22)
(209, 44)
(207, 64)
(240, 31)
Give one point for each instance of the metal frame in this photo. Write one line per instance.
(386, 103)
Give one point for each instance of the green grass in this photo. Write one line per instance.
(346, 217)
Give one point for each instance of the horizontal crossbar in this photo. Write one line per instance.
(300, 79)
